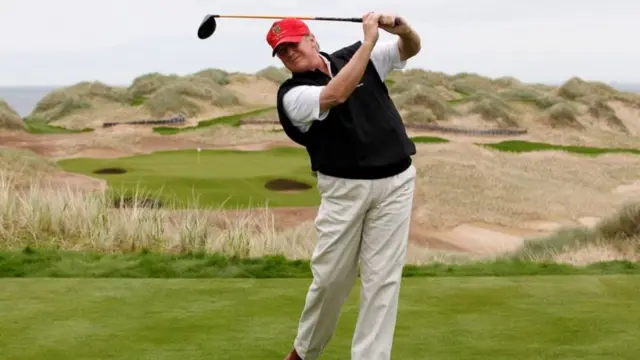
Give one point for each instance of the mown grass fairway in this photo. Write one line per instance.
(478, 318)
(519, 146)
(37, 126)
(212, 178)
(229, 120)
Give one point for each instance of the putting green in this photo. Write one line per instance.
(210, 178)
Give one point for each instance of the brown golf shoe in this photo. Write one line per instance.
(293, 355)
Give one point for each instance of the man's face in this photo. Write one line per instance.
(298, 57)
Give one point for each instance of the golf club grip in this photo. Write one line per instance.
(397, 21)
(353, 19)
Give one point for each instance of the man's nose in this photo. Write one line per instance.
(289, 50)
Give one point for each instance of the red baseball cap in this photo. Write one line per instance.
(286, 31)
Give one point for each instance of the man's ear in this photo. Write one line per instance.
(313, 39)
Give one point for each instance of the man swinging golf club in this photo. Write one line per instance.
(338, 107)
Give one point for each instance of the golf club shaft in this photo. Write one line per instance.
(282, 17)
(319, 18)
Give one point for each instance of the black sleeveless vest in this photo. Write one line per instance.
(362, 138)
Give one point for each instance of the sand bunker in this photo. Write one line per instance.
(286, 185)
(480, 239)
(632, 189)
(110, 171)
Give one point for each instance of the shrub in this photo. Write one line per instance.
(401, 81)
(148, 84)
(577, 88)
(620, 231)
(419, 116)
(24, 161)
(492, 108)
(563, 115)
(422, 98)
(272, 73)
(183, 95)
(470, 84)
(573, 89)
(9, 118)
(84, 95)
(221, 77)
(507, 82)
(539, 99)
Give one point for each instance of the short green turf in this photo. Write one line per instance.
(39, 126)
(229, 120)
(476, 318)
(519, 146)
(428, 140)
(144, 263)
(210, 178)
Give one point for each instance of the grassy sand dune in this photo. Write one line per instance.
(206, 93)
(24, 161)
(464, 182)
(10, 119)
(22, 170)
(462, 100)
(472, 100)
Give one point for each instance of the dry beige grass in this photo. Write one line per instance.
(24, 161)
(190, 96)
(10, 119)
(472, 100)
(461, 182)
(616, 237)
(65, 217)
(82, 96)
(147, 84)
(422, 99)
(22, 168)
(205, 94)
(275, 74)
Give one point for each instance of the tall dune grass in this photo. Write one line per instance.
(67, 218)
(81, 96)
(10, 119)
(617, 237)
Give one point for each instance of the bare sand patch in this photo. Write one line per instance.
(630, 116)
(631, 189)
(255, 91)
(478, 239)
(461, 183)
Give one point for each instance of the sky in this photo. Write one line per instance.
(62, 42)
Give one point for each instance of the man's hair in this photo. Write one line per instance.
(309, 36)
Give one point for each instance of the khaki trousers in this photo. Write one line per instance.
(365, 222)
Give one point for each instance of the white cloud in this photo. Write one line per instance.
(66, 41)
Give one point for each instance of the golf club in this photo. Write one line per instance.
(208, 25)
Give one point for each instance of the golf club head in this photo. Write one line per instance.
(207, 27)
